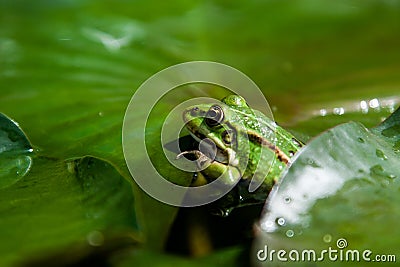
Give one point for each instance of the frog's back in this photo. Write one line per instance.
(250, 119)
(260, 127)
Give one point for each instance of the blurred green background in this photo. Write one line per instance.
(69, 68)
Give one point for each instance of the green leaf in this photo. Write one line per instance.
(344, 184)
(15, 152)
(68, 79)
(79, 202)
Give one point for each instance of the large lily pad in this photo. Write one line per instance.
(344, 185)
(68, 79)
(81, 202)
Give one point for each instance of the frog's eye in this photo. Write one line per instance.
(228, 137)
(215, 116)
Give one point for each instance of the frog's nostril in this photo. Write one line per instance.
(194, 111)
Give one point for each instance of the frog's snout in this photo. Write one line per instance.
(193, 112)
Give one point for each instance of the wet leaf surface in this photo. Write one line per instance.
(69, 68)
(81, 202)
(343, 185)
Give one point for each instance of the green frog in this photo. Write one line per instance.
(239, 144)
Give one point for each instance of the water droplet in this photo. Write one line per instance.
(361, 140)
(95, 238)
(101, 114)
(364, 106)
(23, 165)
(378, 171)
(327, 238)
(289, 233)
(280, 221)
(379, 153)
(374, 103)
(287, 200)
(312, 163)
(338, 111)
(323, 112)
(376, 168)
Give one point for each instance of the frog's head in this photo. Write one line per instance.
(235, 140)
(219, 123)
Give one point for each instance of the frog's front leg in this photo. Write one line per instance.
(226, 174)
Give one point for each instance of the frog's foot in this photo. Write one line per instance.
(200, 157)
(194, 152)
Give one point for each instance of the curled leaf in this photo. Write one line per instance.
(343, 185)
(15, 152)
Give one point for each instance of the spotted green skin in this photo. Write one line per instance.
(264, 156)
